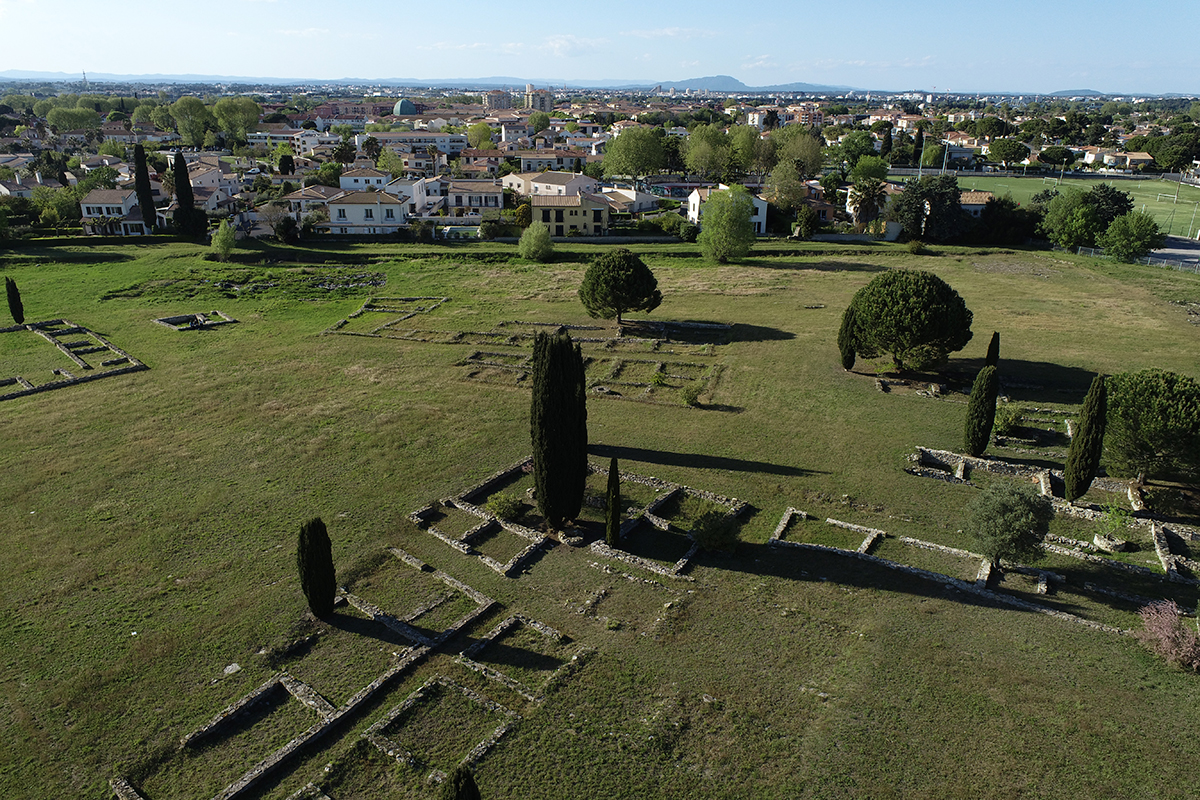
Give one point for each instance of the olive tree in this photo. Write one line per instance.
(1009, 521)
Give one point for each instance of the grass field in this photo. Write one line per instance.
(1156, 197)
(151, 521)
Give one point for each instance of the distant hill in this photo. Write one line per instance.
(1078, 93)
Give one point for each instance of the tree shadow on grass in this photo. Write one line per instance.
(787, 262)
(1021, 381)
(505, 655)
(695, 460)
(361, 626)
(759, 333)
(846, 570)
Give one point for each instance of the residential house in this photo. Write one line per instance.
(556, 183)
(112, 212)
(699, 197)
(23, 187)
(630, 200)
(538, 160)
(585, 214)
(368, 211)
(309, 198)
(974, 202)
(364, 178)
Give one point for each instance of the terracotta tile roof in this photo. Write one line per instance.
(366, 197)
(974, 198)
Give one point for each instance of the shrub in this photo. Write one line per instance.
(691, 393)
(916, 247)
(715, 531)
(535, 243)
(1008, 417)
(670, 223)
(489, 229)
(688, 232)
(505, 505)
(1167, 635)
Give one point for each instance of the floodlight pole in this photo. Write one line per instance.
(1193, 222)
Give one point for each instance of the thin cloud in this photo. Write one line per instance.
(508, 48)
(304, 33)
(567, 45)
(671, 33)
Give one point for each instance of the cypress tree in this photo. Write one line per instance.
(918, 146)
(141, 183)
(1083, 457)
(885, 146)
(183, 184)
(15, 307)
(314, 559)
(612, 528)
(993, 353)
(460, 785)
(845, 338)
(188, 219)
(558, 427)
(981, 411)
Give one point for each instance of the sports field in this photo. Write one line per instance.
(1158, 198)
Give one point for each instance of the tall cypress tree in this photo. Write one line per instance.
(188, 219)
(314, 560)
(981, 411)
(558, 427)
(1083, 457)
(845, 339)
(918, 146)
(141, 182)
(15, 307)
(183, 184)
(885, 146)
(612, 528)
(993, 354)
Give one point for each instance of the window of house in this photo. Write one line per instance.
(545, 215)
(341, 215)
(389, 213)
(558, 216)
(596, 216)
(368, 213)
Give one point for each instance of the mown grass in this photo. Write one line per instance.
(1156, 197)
(167, 503)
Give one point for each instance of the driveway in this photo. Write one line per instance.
(1179, 248)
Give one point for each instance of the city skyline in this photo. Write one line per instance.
(936, 46)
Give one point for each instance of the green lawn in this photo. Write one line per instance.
(151, 522)
(1158, 198)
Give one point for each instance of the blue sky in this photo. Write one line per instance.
(1017, 45)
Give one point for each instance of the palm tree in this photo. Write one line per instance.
(867, 198)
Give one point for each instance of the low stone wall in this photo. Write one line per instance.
(971, 588)
(395, 750)
(601, 549)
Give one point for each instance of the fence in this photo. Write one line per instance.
(1151, 261)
